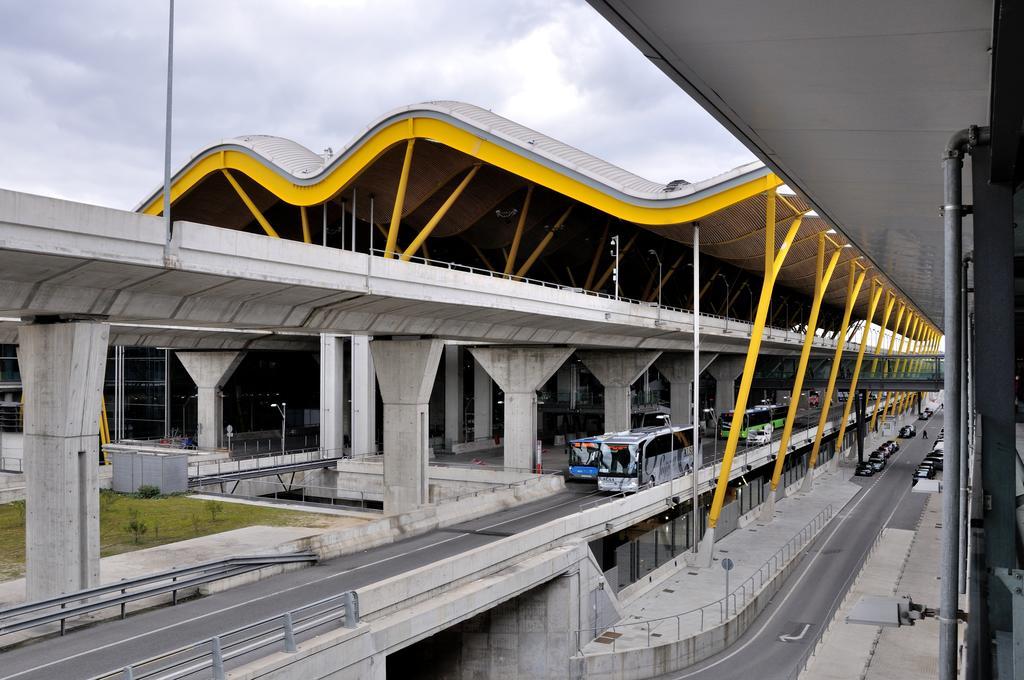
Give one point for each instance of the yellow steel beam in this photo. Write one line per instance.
(510, 261)
(885, 365)
(890, 301)
(396, 214)
(852, 292)
(250, 205)
(104, 424)
(822, 276)
(890, 397)
(306, 236)
(773, 264)
(544, 243)
(483, 258)
(518, 162)
(432, 223)
(597, 255)
(876, 295)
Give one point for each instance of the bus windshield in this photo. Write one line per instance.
(618, 459)
(584, 453)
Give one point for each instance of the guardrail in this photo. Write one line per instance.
(731, 602)
(454, 266)
(238, 465)
(207, 658)
(63, 607)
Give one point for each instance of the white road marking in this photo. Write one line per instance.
(794, 638)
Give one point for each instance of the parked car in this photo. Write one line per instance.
(864, 470)
(924, 472)
(938, 446)
(935, 459)
(907, 432)
(877, 462)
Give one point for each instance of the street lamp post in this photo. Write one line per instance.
(284, 420)
(615, 272)
(652, 252)
(726, 279)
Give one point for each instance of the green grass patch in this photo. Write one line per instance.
(166, 520)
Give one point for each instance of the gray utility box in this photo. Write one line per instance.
(166, 471)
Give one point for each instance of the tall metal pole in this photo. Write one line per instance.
(615, 273)
(964, 413)
(167, 124)
(353, 219)
(952, 212)
(697, 457)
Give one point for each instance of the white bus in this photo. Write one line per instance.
(647, 456)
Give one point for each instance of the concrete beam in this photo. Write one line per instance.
(62, 369)
(405, 372)
(617, 371)
(332, 394)
(453, 422)
(483, 396)
(520, 372)
(210, 371)
(364, 398)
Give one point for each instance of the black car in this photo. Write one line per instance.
(924, 472)
(864, 470)
(907, 432)
(877, 462)
(933, 459)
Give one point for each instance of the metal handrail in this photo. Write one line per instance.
(59, 608)
(454, 266)
(772, 566)
(210, 654)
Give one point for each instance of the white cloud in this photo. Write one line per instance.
(84, 83)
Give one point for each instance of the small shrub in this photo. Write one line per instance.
(107, 499)
(19, 507)
(214, 508)
(196, 524)
(148, 491)
(137, 528)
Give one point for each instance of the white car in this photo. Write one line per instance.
(759, 437)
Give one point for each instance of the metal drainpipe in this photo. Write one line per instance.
(964, 415)
(959, 144)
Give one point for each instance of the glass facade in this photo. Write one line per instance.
(144, 370)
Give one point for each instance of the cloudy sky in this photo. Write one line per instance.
(83, 83)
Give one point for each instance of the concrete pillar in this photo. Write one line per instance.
(725, 369)
(62, 369)
(483, 397)
(364, 398)
(617, 371)
(678, 369)
(209, 371)
(453, 418)
(520, 372)
(332, 394)
(405, 371)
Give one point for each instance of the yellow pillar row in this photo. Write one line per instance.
(822, 276)
(876, 295)
(773, 264)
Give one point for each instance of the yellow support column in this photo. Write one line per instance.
(543, 244)
(891, 396)
(876, 295)
(822, 276)
(852, 293)
(510, 261)
(306, 236)
(396, 214)
(885, 365)
(439, 215)
(772, 265)
(270, 231)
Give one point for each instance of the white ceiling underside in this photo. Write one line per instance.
(852, 103)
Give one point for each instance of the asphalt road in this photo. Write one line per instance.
(811, 594)
(111, 645)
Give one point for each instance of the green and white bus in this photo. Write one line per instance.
(754, 420)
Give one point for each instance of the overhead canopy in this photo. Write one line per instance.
(851, 104)
(455, 144)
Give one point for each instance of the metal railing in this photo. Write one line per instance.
(729, 605)
(770, 331)
(63, 607)
(255, 463)
(10, 464)
(207, 658)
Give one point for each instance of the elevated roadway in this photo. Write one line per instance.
(59, 258)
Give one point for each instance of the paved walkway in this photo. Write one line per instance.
(749, 547)
(902, 563)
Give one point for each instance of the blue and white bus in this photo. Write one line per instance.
(647, 456)
(584, 456)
